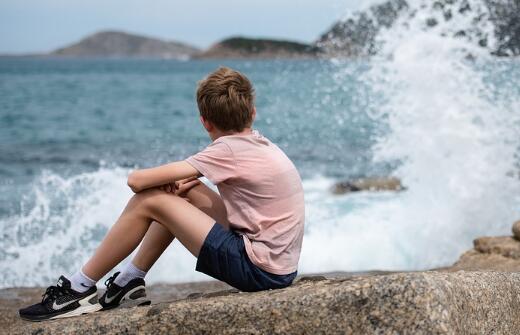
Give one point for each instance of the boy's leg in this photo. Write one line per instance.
(135, 220)
(156, 240)
(158, 237)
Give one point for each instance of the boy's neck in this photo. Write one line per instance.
(217, 133)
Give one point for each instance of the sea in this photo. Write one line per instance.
(446, 124)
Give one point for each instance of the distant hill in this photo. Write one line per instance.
(121, 44)
(242, 47)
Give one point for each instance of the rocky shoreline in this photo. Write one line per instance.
(478, 294)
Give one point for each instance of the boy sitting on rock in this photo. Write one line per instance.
(249, 236)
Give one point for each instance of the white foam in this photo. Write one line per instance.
(454, 134)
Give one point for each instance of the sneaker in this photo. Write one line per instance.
(130, 295)
(62, 301)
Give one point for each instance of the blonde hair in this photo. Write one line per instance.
(226, 99)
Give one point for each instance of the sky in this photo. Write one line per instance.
(28, 26)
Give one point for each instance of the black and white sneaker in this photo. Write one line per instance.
(130, 295)
(62, 301)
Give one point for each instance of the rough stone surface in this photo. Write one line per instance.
(491, 254)
(516, 230)
(405, 303)
(473, 260)
(506, 246)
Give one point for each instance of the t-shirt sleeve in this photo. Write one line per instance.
(216, 162)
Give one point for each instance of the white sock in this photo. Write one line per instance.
(79, 282)
(129, 272)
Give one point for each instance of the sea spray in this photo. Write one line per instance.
(434, 103)
(454, 136)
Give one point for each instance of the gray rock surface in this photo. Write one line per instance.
(121, 44)
(491, 254)
(405, 303)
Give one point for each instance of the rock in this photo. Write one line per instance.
(356, 35)
(242, 47)
(506, 246)
(121, 44)
(473, 260)
(491, 254)
(405, 303)
(368, 184)
(516, 230)
(311, 278)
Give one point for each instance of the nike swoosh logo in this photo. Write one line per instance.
(110, 299)
(56, 306)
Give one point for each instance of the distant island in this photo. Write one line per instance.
(114, 44)
(243, 47)
(122, 44)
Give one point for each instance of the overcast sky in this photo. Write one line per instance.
(43, 25)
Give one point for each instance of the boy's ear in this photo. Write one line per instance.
(207, 125)
(254, 114)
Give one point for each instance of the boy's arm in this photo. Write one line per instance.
(143, 179)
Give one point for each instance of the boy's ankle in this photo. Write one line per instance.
(80, 282)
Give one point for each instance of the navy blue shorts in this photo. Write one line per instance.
(223, 256)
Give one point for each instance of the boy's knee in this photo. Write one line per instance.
(151, 198)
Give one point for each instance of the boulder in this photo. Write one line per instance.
(474, 260)
(356, 34)
(506, 246)
(491, 254)
(404, 303)
(368, 184)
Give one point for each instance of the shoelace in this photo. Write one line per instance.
(110, 280)
(52, 292)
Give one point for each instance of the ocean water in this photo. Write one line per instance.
(447, 125)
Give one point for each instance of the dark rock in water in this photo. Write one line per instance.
(368, 184)
(121, 44)
(356, 35)
(242, 47)
(406, 303)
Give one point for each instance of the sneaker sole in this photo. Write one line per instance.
(127, 302)
(84, 308)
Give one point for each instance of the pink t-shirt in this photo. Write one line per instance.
(263, 195)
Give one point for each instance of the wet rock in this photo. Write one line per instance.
(368, 184)
(405, 303)
(356, 35)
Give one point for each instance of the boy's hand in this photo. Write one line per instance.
(184, 185)
(181, 187)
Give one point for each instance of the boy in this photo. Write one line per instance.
(249, 236)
